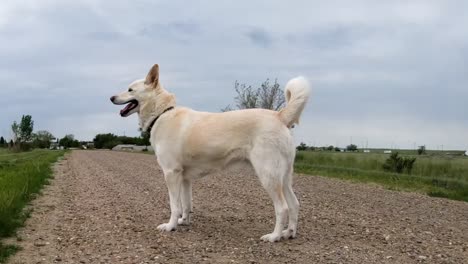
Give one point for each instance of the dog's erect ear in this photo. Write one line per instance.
(153, 76)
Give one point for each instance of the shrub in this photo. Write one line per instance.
(299, 156)
(398, 164)
(421, 150)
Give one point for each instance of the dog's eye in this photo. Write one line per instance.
(130, 90)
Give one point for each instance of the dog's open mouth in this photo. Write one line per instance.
(129, 107)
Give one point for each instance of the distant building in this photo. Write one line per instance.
(367, 151)
(87, 145)
(128, 147)
(466, 153)
(54, 144)
(387, 151)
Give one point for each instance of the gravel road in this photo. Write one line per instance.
(103, 207)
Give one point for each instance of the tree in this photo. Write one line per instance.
(26, 128)
(267, 96)
(108, 140)
(302, 146)
(42, 139)
(69, 141)
(22, 132)
(422, 150)
(351, 147)
(2, 142)
(271, 96)
(145, 139)
(330, 148)
(15, 130)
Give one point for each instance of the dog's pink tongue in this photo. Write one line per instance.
(125, 109)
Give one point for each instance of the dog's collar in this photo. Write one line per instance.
(148, 130)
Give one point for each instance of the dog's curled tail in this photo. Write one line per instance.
(297, 93)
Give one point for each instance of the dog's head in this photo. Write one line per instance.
(138, 93)
(146, 97)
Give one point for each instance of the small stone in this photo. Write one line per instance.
(39, 244)
(58, 258)
(422, 257)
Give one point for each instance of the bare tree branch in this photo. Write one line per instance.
(267, 96)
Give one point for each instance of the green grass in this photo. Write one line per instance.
(22, 175)
(435, 175)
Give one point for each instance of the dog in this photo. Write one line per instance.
(191, 144)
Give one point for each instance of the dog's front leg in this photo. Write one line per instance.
(174, 186)
(186, 201)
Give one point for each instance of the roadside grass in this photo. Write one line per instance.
(435, 175)
(22, 175)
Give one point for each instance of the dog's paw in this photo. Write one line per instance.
(288, 234)
(271, 237)
(183, 221)
(166, 227)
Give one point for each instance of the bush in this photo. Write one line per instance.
(299, 156)
(421, 150)
(398, 164)
(111, 144)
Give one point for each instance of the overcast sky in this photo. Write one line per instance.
(389, 73)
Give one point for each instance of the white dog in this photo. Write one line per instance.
(191, 144)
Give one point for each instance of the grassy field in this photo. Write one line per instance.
(21, 176)
(435, 175)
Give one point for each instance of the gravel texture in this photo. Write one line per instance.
(103, 207)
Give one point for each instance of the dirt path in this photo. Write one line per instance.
(103, 207)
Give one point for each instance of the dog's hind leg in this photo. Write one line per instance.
(186, 202)
(271, 168)
(293, 205)
(190, 197)
(174, 185)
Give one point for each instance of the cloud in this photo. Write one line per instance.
(180, 31)
(260, 37)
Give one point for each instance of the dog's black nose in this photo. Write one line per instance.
(112, 98)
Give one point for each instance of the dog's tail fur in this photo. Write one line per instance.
(297, 93)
